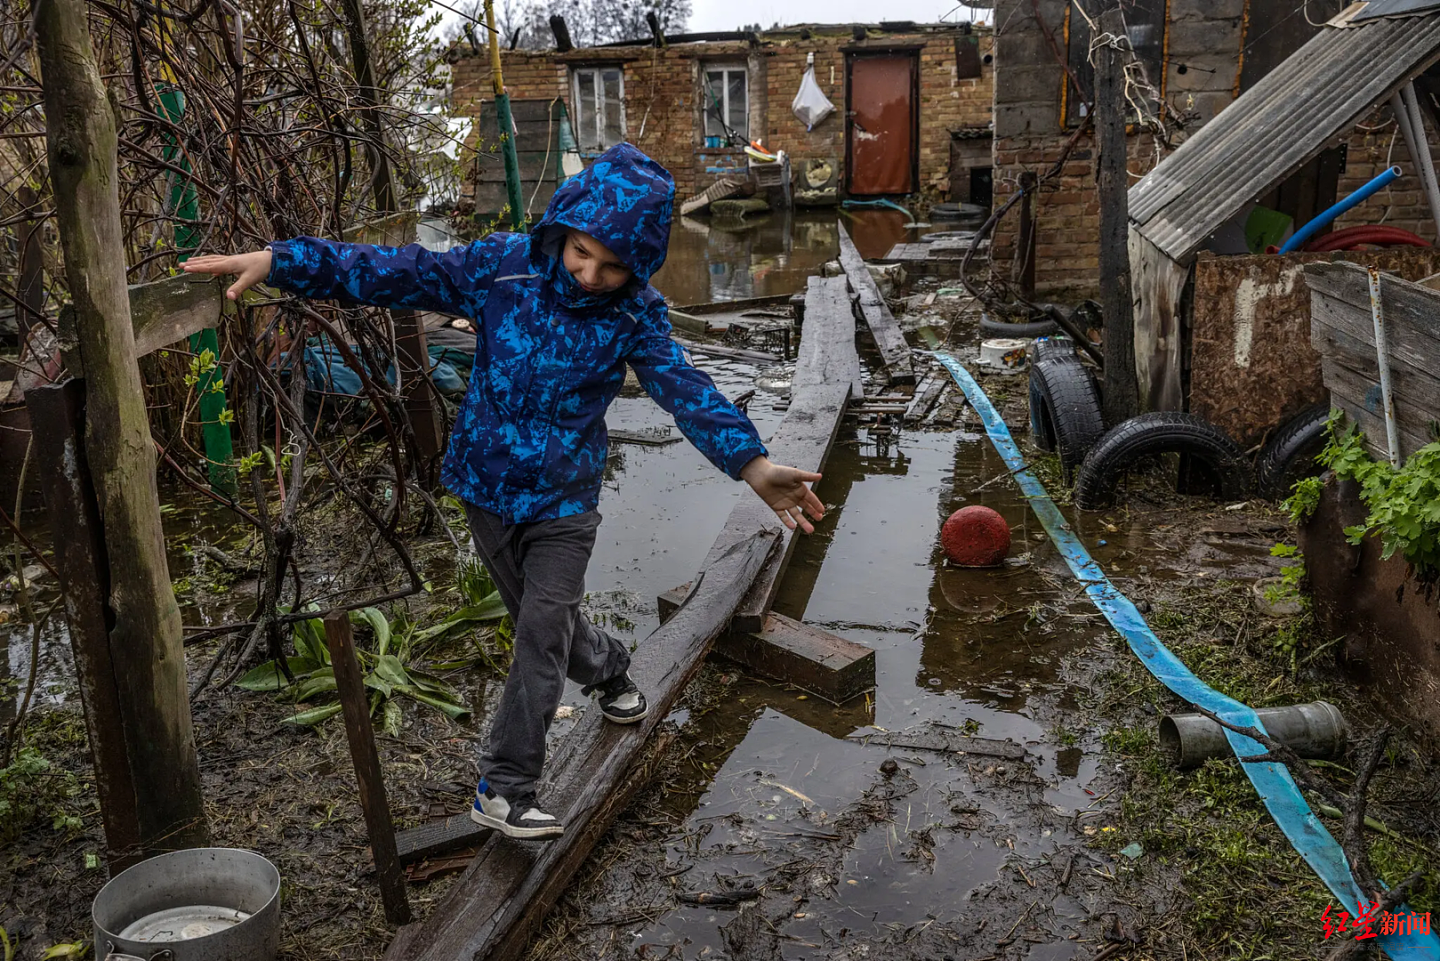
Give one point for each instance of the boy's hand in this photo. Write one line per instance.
(249, 269)
(785, 490)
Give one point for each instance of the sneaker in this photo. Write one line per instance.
(521, 817)
(620, 700)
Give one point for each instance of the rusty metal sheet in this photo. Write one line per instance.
(1252, 363)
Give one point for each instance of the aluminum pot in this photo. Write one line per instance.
(202, 904)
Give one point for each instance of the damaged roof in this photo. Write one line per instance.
(1278, 126)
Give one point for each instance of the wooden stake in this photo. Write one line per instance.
(1122, 391)
(147, 657)
(350, 683)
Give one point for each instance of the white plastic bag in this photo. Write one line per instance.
(810, 104)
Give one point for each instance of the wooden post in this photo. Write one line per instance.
(57, 422)
(506, 123)
(1025, 266)
(351, 686)
(31, 286)
(1122, 390)
(414, 372)
(147, 657)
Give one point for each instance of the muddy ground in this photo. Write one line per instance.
(781, 826)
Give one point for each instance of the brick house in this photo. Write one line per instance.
(692, 101)
(1199, 55)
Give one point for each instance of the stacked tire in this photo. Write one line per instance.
(1210, 462)
(1065, 412)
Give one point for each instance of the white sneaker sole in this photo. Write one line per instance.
(626, 720)
(511, 831)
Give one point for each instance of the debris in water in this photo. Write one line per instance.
(1132, 850)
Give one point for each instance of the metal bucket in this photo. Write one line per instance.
(1314, 730)
(202, 904)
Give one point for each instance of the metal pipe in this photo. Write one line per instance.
(1382, 357)
(1311, 730)
(507, 126)
(1302, 236)
(1419, 145)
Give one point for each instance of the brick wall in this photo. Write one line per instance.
(1203, 47)
(663, 105)
(1370, 147)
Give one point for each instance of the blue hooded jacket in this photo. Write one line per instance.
(529, 442)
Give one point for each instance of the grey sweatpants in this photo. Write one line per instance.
(539, 569)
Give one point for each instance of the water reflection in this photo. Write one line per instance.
(719, 259)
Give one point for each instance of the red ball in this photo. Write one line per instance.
(975, 536)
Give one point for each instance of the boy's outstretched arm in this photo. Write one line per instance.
(454, 282)
(717, 428)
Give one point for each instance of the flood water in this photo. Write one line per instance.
(773, 253)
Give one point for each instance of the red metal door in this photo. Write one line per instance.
(880, 125)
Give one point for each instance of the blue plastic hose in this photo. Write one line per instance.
(1302, 236)
(879, 203)
(1272, 781)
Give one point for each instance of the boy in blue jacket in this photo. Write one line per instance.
(560, 312)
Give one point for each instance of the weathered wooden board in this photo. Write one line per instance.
(825, 664)
(899, 366)
(1343, 332)
(945, 742)
(493, 908)
(827, 372)
(168, 311)
(1253, 364)
(392, 230)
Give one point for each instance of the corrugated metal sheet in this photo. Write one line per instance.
(1277, 126)
(1394, 8)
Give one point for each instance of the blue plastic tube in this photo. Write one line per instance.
(1303, 236)
(1277, 790)
(879, 203)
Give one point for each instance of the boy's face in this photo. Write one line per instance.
(595, 268)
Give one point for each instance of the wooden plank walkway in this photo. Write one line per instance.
(899, 367)
(827, 374)
(492, 910)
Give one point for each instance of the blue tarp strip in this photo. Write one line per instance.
(1272, 781)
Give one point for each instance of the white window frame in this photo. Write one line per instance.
(597, 73)
(726, 69)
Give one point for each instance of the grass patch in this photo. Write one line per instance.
(1245, 892)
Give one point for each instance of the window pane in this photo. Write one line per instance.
(614, 117)
(585, 110)
(738, 104)
(714, 102)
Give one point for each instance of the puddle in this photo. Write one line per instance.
(711, 259)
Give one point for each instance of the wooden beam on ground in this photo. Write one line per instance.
(899, 367)
(827, 372)
(492, 910)
(824, 664)
(168, 311)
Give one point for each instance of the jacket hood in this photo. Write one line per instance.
(624, 200)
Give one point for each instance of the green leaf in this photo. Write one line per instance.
(269, 677)
(310, 640)
(72, 951)
(378, 624)
(312, 717)
(379, 684)
(429, 682)
(391, 723)
(492, 608)
(314, 686)
(389, 669)
(451, 709)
